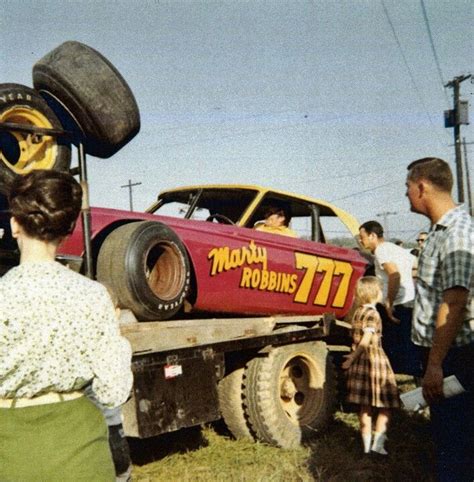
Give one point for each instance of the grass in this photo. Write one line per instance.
(210, 454)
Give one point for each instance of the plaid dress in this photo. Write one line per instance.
(371, 380)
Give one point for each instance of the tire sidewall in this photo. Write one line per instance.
(17, 95)
(94, 93)
(139, 246)
(273, 424)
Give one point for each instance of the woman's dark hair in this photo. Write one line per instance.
(46, 204)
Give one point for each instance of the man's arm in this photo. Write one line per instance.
(448, 323)
(393, 286)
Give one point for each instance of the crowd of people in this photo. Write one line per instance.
(431, 325)
(65, 369)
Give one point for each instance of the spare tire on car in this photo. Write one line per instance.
(146, 265)
(23, 151)
(76, 78)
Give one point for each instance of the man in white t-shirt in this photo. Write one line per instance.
(394, 265)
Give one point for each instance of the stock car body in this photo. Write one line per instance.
(195, 251)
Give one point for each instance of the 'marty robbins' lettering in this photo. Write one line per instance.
(224, 258)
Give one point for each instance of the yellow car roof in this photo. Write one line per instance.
(260, 191)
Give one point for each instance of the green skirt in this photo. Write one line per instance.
(61, 442)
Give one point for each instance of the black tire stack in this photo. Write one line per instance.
(77, 89)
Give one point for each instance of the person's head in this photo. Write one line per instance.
(45, 205)
(277, 215)
(421, 238)
(398, 242)
(429, 180)
(371, 235)
(368, 290)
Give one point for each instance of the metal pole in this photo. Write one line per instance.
(457, 131)
(385, 215)
(457, 142)
(130, 185)
(468, 180)
(85, 212)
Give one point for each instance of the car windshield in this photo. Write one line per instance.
(246, 207)
(201, 203)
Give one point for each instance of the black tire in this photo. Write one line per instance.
(147, 267)
(94, 93)
(231, 403)
(290, 394)
(21, 152)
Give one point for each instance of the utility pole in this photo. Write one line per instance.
(130, 185)
(468, 179)
(385, 215)
(455, 118)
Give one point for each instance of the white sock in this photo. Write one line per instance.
(366, 439)
(379, 442)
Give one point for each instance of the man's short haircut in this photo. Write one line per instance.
(373, 227)
(279, 209)
(434, 170)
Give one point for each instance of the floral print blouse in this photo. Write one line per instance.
(58, 332)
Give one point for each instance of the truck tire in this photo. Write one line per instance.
(21, 152)
(147, 267)
(290, 394)
(93, 92)
(231, 403)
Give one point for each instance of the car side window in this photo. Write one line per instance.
(336, 232)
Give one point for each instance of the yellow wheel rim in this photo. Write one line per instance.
(26, 151)
(301, 393)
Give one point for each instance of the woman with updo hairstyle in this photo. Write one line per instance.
(58, 335)
(46, 204)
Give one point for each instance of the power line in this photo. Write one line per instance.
(385, 215)
(130, 186)
(364, 191)
(410, 72)
(435, 55)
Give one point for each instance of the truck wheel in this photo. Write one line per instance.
(290, 394)
(21, 152)
(230, 391)
(147, 267)
(93, 92)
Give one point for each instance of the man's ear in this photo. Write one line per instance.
(15, 227)
(423, 187)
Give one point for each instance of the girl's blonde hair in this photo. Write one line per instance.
(368, 290)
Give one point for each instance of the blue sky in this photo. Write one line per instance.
(318, 97)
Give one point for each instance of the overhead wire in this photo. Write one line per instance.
(409, 70)
(364, 191)
(433, 49)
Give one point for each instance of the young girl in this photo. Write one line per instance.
(371, 381)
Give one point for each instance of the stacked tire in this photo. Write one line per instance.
(75, 89)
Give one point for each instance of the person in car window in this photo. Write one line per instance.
(58, 333)
(277, 220)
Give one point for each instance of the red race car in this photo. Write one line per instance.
(196, 249)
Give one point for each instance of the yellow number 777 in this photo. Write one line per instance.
(330, 268)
